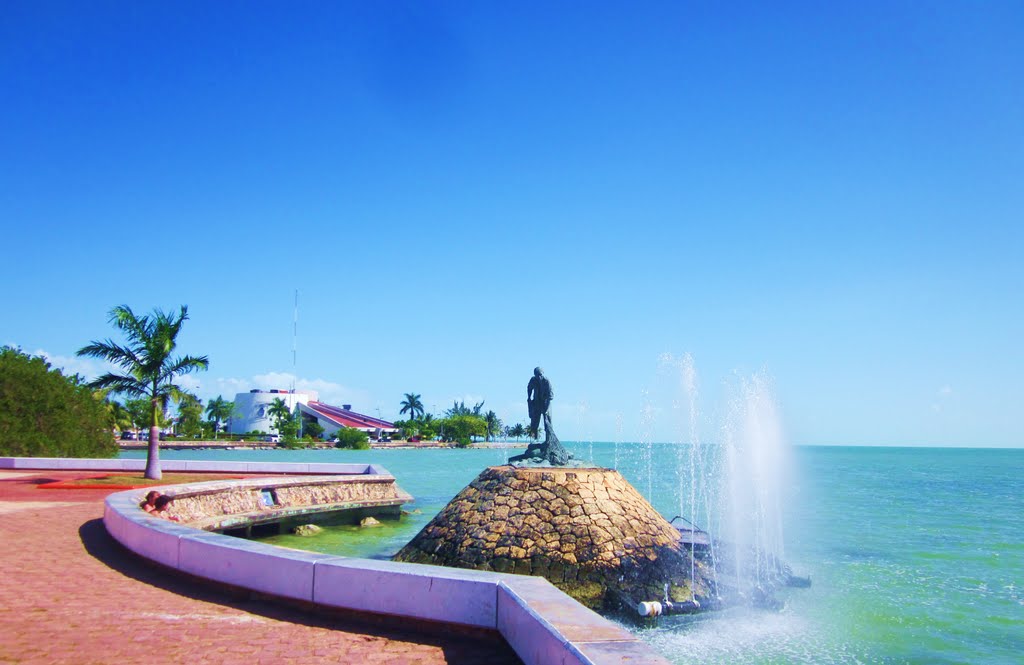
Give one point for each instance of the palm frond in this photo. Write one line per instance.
(112, 352)
(183, 365)
(125, 320)
(120, 383)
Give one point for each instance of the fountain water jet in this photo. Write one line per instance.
(732, 487)
(755, 470)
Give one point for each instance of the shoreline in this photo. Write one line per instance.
(261, 445)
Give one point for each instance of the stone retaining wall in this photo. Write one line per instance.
(220, 504)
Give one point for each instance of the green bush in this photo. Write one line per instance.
(351, 438)
(312, 429)
(464, 442)
(46, 414)
(466, 426)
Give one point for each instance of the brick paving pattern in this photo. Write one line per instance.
(70, 594)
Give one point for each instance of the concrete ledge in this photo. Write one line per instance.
(68, 464)
(542, 624)
(449, 595)
(249, 564)
(538, 623)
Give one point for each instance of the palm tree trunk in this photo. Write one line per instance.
(153, 454)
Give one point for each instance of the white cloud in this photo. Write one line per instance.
(205, 387)
(468, 399)
(327, 391)
(88, 368)
(943, 394)
(190, 383)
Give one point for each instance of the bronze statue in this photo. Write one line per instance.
(538, 402)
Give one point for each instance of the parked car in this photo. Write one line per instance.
(129, 436)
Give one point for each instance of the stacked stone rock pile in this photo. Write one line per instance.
(588, 531)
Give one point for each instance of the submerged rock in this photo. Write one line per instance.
(368, 521)
(307, 530)
(588, 531)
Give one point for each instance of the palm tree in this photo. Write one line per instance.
(493, 424)
(120, 418)
(460, 409)
(413, 405)
(190, 416)
(219, 410)
(147, 368)
(517, 431)
(279, 413)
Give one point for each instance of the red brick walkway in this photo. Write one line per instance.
(70, 594)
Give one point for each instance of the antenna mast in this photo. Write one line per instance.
(295, 338)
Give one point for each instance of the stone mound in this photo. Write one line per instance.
(588, 531)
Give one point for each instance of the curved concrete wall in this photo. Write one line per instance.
(111, 464)
(542, 624)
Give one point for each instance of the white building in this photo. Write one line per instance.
(252, 413)
(252, 409)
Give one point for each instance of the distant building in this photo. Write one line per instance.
(333, 418)
(252, 413)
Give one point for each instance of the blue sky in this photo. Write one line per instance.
(826, 194)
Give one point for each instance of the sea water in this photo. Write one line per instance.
(916, 554)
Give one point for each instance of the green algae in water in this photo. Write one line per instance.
(371, 542)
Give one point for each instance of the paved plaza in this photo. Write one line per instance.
(71, 594)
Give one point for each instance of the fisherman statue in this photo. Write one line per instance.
(538, 401)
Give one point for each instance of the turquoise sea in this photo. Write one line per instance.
(916, 554)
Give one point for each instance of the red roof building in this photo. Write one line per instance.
(332, 418)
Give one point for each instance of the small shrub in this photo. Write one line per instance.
(351, 438)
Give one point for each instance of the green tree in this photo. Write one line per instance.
(139, 412)
(349, 437)
(46, 414)
(285, 421)
(312, 428)
(428, 426)
(120, 418)
(408, 428)
(493, 424)
(464, 427)
(147, 367)
(279, 413)
(190, 415)
(460, 409)
(412, 405)
(219, 410)
(517, 431)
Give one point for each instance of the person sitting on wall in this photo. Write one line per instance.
(160, 508)
(150, 502)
